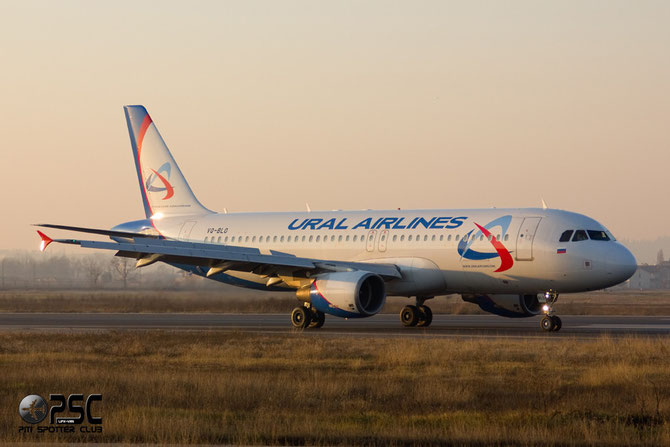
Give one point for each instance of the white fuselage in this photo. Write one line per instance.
(437, 251)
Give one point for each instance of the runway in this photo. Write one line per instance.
(385, 325)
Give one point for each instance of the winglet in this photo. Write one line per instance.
(46, 240)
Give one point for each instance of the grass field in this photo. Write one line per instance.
(212, 387)
(240, 300)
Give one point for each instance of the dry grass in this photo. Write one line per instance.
(242, 301)
(200, 387)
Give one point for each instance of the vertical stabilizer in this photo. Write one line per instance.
(164, 189)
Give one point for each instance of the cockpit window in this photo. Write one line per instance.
(565, 237)
(597, 235)
(580, 235)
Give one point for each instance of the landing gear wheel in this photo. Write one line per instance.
(547, 323)
(318, 318)
(557, 323)
(301, 317)
(426, 316)
(409, 315)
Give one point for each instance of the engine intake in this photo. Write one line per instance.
(353, 294)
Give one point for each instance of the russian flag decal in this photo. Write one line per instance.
(561, 250)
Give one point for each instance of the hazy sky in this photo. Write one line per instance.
(378, 104)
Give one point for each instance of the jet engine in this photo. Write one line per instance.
(513, 306)
(352, 294)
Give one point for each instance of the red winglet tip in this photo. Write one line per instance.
(46, 240)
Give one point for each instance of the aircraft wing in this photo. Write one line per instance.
(217, 258)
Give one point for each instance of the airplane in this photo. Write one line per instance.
(510, 262)
(33, 409)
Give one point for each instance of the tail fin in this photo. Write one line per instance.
(164, 188)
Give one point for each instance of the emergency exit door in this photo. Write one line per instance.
(185, 230)
(524, 240)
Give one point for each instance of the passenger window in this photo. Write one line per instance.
(565, 237)
(347, 238)
(449, 238)
(433, 238)
(318, 238)
(246, 239)
(225, 239)
(458, 236)
(310, 238)
(395, 237)
(441, 237)
(274, 239)
(506, 237)
(232, 239)
(339, 238)
(281, 239)
(481, 237)
(355, 238)
(218, 241)
(409, 238)
(205, 239)
(303, 238)
(580, 235)
(260, 239)
(425, 237)
(598, 235)
(402, 238)
(490, 236)
(332, 238)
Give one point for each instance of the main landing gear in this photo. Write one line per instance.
(307, 317)
(419, 315)
(550, 322)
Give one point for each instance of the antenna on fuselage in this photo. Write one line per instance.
(309, 210)
(544, 204)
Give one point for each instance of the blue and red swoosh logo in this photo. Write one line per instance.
(163, 172)
(500, 250)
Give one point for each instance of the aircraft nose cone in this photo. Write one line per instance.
(622, 264)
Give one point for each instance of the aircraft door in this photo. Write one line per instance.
(383, 237)
(371, 240)
(524, 240)
(185, 231)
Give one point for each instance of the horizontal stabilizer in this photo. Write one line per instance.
(110, 233)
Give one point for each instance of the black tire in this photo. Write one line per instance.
(557, 323)
(318, 318)
(409, 316)
(547, 323)
(426, 316)
(300, 317)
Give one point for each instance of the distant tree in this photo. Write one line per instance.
(94, 269)
(660, 259)
(123, 268)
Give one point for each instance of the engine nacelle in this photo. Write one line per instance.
(513, 306)
(348, 294)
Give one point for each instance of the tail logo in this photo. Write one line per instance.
(484, 231)
(163, 172)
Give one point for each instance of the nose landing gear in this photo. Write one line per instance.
(550, 322)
